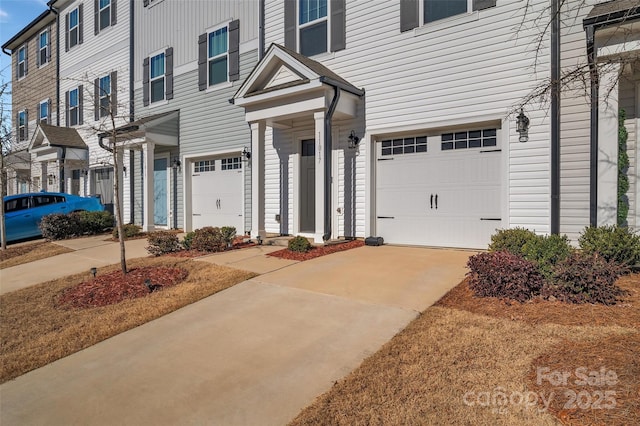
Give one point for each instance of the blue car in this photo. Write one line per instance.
(23, 212)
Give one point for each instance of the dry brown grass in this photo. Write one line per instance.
(29, 252)
(478, 348)
(34, 332)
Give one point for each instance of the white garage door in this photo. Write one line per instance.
(216, 193)
(439, 191)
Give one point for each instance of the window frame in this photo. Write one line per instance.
(218, 56)
(162, 76)
(44, 103)
(302, 26)
(102, 9)
(457, 15)
(75, 27)
(22, 63)
(43, 60)
(231, 163)
(74, 109)
(22, 125)
(104, 95)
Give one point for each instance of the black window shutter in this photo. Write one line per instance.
(26, 59)
(80, 23)
(338, 25)
(49, 33)
(202, 61)
(145, 3)
(96, 99)
(66, 108)
(49, 111)
(290, 24)
(113, 12)
(168, 75)
(145, 81)
(96, 17)
(66, 33)
(483, 4)
(409, 14)
(114, 93)
(80, 103)
(38, 52)
(26, 124)
(17, 64)
(38, 113)
(234, 50)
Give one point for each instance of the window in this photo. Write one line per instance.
(217, 56)
(43, 48)
(43, 112)
(470, 139)
(22, 125)
(74, 108)
(104, 92)
(22, 61)
(156, 78)
(231, 163)
(204, 166)
(74, 28)
(104, 14)
(312, 24)
(404, 146)
(43, 200)
(434, 10)
(16, 204)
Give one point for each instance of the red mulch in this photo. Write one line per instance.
(115, 287)
(316, 251)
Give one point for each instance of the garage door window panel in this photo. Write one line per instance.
(233, 163)
(204, 166)
(404, 146)
(469, 139)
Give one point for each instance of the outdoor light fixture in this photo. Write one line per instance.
(259, 239)
(522, 126)
(176, 163)
(51, 178)
(246, 153)
(353, 140)
(94, 271)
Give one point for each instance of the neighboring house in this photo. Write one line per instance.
(34, 101)
(94, 87)
(190, 59)
(399, 118)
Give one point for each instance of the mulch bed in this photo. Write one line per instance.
(115, 287)
(316, 251)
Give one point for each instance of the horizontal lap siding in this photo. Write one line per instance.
(466, 70)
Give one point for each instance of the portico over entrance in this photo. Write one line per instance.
(291, 103)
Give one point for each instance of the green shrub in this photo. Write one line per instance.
(228, 234)
(547, 251)
(585, 278)
(60, 226)
(208, 239)
(163, 242)
(130, 230)
(188, 240)
(613, 243)
(511, 240)
(95, 222)
(299, 244)
(505, 275)
(623, 168)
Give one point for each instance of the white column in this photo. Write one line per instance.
(147, 188)
(320, 162)
(608, 149)
(257, 179)
(119, 171)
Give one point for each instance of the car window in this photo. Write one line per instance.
(59, 199)
(43, 200)
(16, 204)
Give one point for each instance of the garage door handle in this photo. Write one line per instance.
(490, 218)
(436, 201)
(386, 217)
(196, 214)
(431, 200)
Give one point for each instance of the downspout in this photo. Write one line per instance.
(63, 157)
(593, 133)
(327, 163)
(132, 181)
(261, 31)
(55, 12)
(555, 117)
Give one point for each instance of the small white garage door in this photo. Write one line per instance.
(439, 191)
(217, 192)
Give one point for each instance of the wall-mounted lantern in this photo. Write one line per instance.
(353, 140)
(522, 126)
(246, 154)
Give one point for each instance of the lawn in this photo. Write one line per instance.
(39, 326)
(29, 252)
(484, 361)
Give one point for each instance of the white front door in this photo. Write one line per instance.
(216, 193)
(439, 191)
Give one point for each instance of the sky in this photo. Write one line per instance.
(14, 16)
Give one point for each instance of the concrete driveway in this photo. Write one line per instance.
(256, 353)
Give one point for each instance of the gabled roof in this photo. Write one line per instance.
(613, 12)
(32, 28)
(282, 68)
(55, 136)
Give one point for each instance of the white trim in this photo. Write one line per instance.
(637, 155)
(164, 77)
(39, 117)
(25, 62)
(225, 54)
(300, 26)
(296, 152)
(100, 9)
(167, 156)
(461, 18)
(39, 49)
(504, 143)
(76, 8)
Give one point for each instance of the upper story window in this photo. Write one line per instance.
(312, 24)
(434, 10)
(414, 13)
(22, 125)
(43, 112)
(74, 27)
(312, 27)
(104, 13)
(104, 95)
(156, 78)
(22, 62)
(74, 106)
(217, 56)
(43, 48)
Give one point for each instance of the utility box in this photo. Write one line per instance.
(374, 241)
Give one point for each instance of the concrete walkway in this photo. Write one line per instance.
(256, 353)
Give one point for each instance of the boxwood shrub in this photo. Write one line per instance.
(163, 242)
(208, 239)
(511, 240)
(60, 226)
(299, 244)
(547, 251)
(616, 243)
